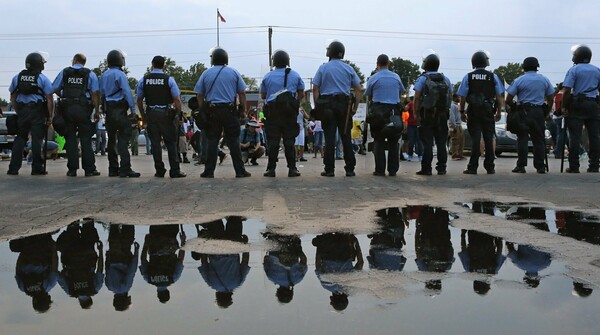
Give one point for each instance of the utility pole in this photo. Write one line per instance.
(270, 48)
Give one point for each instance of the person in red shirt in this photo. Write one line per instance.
(414, 144)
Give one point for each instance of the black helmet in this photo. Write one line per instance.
(336, 50)
(281, 59)
(581, 54)
(530, 64)
(218, 56)
(115, 58)
(431, 62)
(35, 62)
(480, 59)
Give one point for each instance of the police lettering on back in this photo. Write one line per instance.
(154, 81)
(29, 79)
(479, 76)
(75, 81)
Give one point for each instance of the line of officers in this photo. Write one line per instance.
(220, 89)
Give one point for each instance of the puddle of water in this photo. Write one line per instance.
(416, 274)
(578, 225)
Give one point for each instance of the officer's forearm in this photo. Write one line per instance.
(316, 93)
(13, 101)
(461, 104)
(177, 103)
(200, 99)
(50, 102)
(500, 99)
(96, 102)
(566, 102)
(140, 104)
(242, 97)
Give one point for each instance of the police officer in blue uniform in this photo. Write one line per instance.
(433, 96)
(483, 91)
(216, 89)
(159, 90)
(580, 105)
(77, 88)
(383, 90)
(535, 95)
(331, 93)
(31, 94)
(281, 111)
(117, 99)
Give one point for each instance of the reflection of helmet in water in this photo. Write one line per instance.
(284, 294)
(115, 58)
(581, 54)
(218, 56)
(121, 302)
(480, 58)
(480, 287)
(581, 291)
(163, 295)
(531, 279)
(530, 64)
(336, 50)
(41, 302)
(431, 61)
(35, 62)
(224, 299)
(339, 301)
(434, 285)
(281, 59)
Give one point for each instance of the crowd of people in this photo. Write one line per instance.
(107, 107)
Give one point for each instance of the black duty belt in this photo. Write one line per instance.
(221, 104)
(30, 103)
(160, 109)
(528, 105)
(582, 97)
(384, 104)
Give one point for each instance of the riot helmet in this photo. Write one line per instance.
(480, 58)
(336, 50)
(281, 59)
(431, 61)
(581, 54)
(218, 56)
(115, 58)
(35, 62)
(530, 64)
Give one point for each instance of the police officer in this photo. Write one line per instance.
(159, 90)
(433, 96)
(482, 90)
(384, 89)
(331, 91)
(531, 89)
(117, 98)
(281, 114)
(216, 89)
(31, 94)
(77, 88)
(580, 105)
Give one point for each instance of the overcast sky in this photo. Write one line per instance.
(185, 31)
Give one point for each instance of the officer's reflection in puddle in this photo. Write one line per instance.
(37, 268)
(581, 290)
(434, 252)
(530, 260)
(481, 253)
(224, 272)
(161, 264)
(336, 253)
(81, 276)
(285, 265)
(121, 264)
(580, 226)
(385, 252)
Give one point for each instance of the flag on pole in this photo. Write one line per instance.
(220, 16)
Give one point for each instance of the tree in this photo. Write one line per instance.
(132, 82)
(407, 70)
(251, 83)
(3, 102)
(172, 69)
(509, 73)
(355, 67)
(190, 77)
(456, 86)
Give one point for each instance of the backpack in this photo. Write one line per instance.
(435, 96)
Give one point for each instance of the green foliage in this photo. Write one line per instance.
(407, 70)
(3, 102)
(355, 67)
(456, 86)
(509, 72)
(132, 82)
(251, 83)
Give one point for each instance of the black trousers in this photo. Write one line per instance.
(31, 120)
(335, 118)
(436, 132)
(162, 126)
(584, 113)
(380, 145)
(118, 128)
(278, 127)
(222, 120)
(532, 118)
(79, 125)
(479, 125)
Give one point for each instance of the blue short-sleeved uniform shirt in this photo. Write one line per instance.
(224, 273)
(463, 90)
(92, 84)
(273, 83)
(531, 88)
(225, 88)
(583, 79)
(284, 275)
(139, 89)
(335, 78)
(43, 82)
(114, 86)
(385, 87)
(420, 83)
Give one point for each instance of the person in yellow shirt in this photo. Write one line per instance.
(357, 137)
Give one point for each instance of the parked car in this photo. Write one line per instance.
(505, 140)
(6, 141)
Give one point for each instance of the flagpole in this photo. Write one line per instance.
(218, 26)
